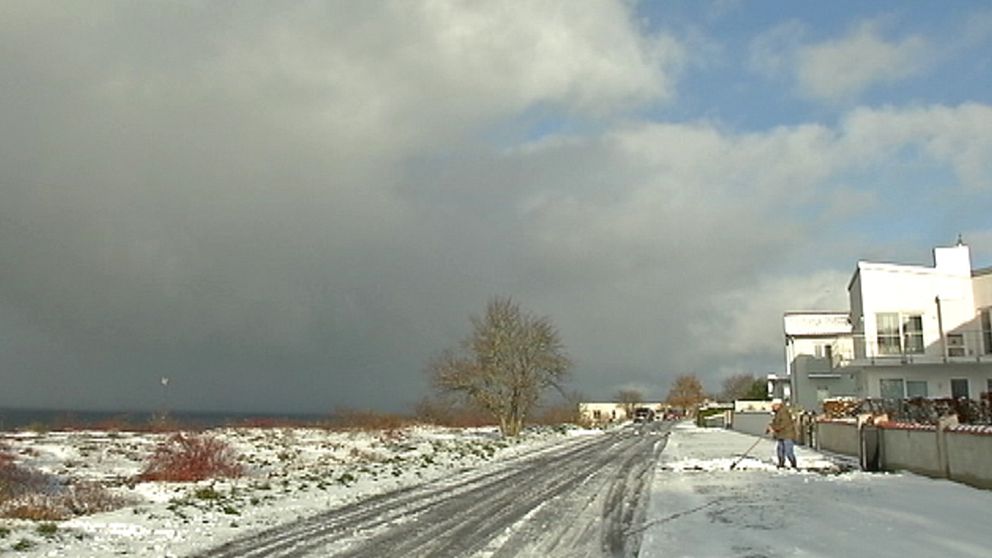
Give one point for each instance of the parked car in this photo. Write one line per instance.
(643, 414)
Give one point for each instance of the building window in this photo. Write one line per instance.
(959, 388)
(988, 386)
(888, 334)
(987, 330)
(912, 334)
(955, 344)
(899, 333)
(916, 388)
(891, 388)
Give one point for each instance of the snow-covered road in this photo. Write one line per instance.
(584, 497)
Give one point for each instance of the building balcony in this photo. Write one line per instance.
(957, 345)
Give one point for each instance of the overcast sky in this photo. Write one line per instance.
(291, 206)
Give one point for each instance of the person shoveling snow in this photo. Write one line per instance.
(783, 429)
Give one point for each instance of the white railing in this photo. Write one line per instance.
(955, 346)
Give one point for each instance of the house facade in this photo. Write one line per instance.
(911, 331)
(816, 345)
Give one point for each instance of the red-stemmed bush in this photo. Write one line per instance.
(191, 457)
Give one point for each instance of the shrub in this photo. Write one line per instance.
(6, 457)
(84, 498)
(17, 481)
(207, 493)
(191, 457)
(29, 494)
(48, 529)
(57, 502)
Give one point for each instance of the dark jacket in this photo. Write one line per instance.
(782, 426)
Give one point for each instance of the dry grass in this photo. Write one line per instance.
(365, 420)
(29, 494)
(63, 502)
(445, 412)
(565, 413)
(270, 422)
(185, 457)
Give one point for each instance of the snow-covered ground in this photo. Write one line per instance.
(698, 507)
(701, 508)
(290, 473)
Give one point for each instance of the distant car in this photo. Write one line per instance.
(643, 414)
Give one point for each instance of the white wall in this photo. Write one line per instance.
(914, 290)
(982, 290)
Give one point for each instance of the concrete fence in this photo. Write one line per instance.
(753, 423)
(958, 453)
(838, 437)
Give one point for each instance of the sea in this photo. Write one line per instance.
(58, 419)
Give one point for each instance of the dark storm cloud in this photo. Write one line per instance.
(227, 195)
(293, 208)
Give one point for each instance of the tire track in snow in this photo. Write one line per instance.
(588, 491)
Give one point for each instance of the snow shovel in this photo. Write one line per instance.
(743, 455)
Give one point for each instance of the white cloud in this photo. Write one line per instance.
(960, 137)
(841, 69)
(433, 69)
(749, 320)
(773, 53)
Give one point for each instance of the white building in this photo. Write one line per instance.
(615, 412)
(816, 345)
(911, 331)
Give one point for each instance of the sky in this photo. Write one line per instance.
(295, 206)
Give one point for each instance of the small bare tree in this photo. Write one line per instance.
(686, 392)
(505, 363)
(629, 399)
(736, 386)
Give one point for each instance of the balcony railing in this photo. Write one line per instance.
(955, 346)
(960, 346)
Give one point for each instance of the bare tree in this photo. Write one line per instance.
(743, 386)
(506, 362)
(686, 392)
(629, 399)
